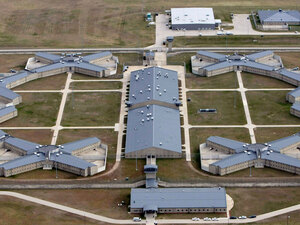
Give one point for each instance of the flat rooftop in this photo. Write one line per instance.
(192, 16)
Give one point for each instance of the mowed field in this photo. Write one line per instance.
(94, 23)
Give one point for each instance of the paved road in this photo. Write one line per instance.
(162, 221)
(57, 126)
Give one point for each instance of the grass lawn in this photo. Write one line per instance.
(262, 200)
(270, 107)
(128, 59)
(38, 136)
(15, 61)
(294, 218)
(290, 59)
(235, 40)
(37, 109)
(199, 136)
(227, 80)
(251, 80)
(178, 59)
(266, 134)
(222, 101)
(56, 82)
(176, 170)
(18, 211)
(92, 109)
(99, 201)
(104, 85)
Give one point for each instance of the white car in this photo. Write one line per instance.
(195, 219)
(215, 219)
(242, 217)
(137, 219)
(207, 219)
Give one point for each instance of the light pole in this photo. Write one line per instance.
(56, 171)
(250, 172)
(287, 219)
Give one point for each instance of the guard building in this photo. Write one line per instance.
(153, 124)
(85, 157)
(279, 17)
(243, 155)
(193, 19)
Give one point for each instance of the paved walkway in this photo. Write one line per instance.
(246, 108)
(162, 221)
(57, 126)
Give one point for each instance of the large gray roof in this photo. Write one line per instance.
(235, 159)
(98, 55)
(257, 55)
(78, 64)
(7, 110)
(52, 57)
(22, 161)
(228, 143)
(285, 16)
(281, 143)
(296, 106)
(2, 133)
(153, 83)
(290, 74)
(75, 145)
(178, 198)
(212, 55)
(245, 62)
(8, 94)
(153, 126)
(27, 146)
(71, 161)
(281, 158)
(295, 93)
(13, 78)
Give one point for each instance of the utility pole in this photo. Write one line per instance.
(136, 161)
(287, 219)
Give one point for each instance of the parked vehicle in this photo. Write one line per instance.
(137, 219)
(195, 219)
(242, 217)
(207, 219)
(233, 218)
(252, 216)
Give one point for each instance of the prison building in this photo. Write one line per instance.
(8, 96)
(295, 109)
(64, 157)
(178, 200)
(224, 144)
(285, 144)
(293, 96)
(210, 56)
(7, 113)
(153, 85)
(153, 130)
(260, 56)
(257, 155)
(71, 65)
(193, 19)
(279, 17)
